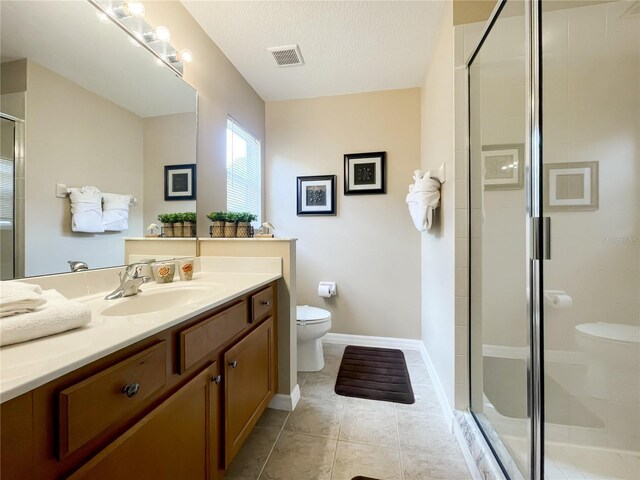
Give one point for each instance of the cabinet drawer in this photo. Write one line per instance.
(88, 408)
(200, 340)
(261, 304)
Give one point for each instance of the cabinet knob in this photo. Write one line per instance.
(131, 389)
(217, 379)
(266, 303)
(233, 364)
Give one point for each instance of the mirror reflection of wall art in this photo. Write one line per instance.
(364, 173)
(571, 186)
(502, 166)
(180, 182)
(317, 195)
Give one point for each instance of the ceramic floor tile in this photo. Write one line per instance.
(370, 422)
(272, 419)
(413, 357)
(320, 385)
(426, 400)
(302, 377)
(423, 465)
(316, 416)
(249, 461)
(297, 457)
(353, 459)
(419, 374)
(419, 431)
(333, 350)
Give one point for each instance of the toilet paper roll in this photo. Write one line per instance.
(561, 301)
(324, 291)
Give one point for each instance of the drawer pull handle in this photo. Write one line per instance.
(131, 389)
(217, 379)
(266, 303)
(233, 364)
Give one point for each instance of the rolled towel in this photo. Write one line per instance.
(86, 210)
(423, 199)
(57, 315)
(19, 297)
(115, 215)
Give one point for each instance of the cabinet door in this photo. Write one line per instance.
(249, 385)
(175, 441)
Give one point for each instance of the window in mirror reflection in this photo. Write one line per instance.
(244, 171)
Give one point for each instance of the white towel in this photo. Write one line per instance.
(115, 215)
(423, 199)
(57, 315)
(86, 210)
(19, 297)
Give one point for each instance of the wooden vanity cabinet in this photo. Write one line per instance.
(190, 416)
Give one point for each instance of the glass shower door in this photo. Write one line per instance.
(7, 194)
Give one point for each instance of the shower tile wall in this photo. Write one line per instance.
(591, 73)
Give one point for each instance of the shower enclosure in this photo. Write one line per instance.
(554, 149)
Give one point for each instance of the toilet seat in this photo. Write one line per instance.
(306, 315)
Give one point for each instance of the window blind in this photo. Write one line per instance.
(244, 171)
(6, 190)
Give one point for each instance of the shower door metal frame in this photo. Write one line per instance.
(537, 230)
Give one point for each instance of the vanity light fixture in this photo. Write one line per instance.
(128, 9)
(183, 55)
(160, 33)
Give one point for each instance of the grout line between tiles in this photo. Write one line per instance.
(395, 414)
(273, 446)
(335, 452)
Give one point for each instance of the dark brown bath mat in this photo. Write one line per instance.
(374, 373)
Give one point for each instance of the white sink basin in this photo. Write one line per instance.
(156, 299)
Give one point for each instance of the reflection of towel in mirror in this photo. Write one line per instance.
(19, 297)
(115, 216)
(57, 315)
(423, 199)
(86, 210)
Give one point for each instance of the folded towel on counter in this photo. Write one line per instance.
(115, 215)
(19, 297)
(423, 199)
(57, 315)
(86, 210)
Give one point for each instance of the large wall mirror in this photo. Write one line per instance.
(82, 104)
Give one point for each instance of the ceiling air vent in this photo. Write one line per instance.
(287, 55)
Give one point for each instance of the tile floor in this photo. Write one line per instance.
(330, 437)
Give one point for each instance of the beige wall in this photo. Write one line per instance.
(370, 248)
(470, 11)
(91, 135)
(221, 90)
(438, 263)
(168, 140)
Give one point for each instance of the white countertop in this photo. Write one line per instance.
(28, 365)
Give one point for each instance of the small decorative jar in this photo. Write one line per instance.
(185, 268)
(216, 230)
(167, 229)
(230, 229)
(177, 229)
(244, 230)
(163, 272)
(188, 229)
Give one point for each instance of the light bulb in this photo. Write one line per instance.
(134, 9)
(162, 33)
(185, 55)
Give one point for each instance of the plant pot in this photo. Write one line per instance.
(244, 230)
(177, 229)
(216, 230)
(188, 229)
(230, 229)
(167, 229)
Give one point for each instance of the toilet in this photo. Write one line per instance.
(312, 324)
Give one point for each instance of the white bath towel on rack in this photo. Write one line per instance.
(86, 209)
(115, 215)
(57, 315)
(423, 199)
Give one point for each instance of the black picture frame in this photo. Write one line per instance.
(365, 173)
(316, 195)
(180, 182)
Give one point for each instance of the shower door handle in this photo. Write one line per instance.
(541, 246)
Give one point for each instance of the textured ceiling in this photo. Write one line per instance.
(347, 46)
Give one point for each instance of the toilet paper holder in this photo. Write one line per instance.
(327, 289)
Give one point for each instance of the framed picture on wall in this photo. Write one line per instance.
(317, 195)
(571, 186)
(364, 173)
(503, 167)
(180, 182)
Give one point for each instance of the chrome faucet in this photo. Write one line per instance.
(77, 266)
(130, 282)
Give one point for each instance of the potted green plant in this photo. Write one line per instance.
(189, 224)
(217, 227)
(167, 224)
(177, 224)
(230, 224)
(244, 224)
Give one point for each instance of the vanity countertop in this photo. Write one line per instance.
(28, 365)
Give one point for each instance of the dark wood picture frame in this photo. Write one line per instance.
(316, 195)
(365, 173)
(187, 190)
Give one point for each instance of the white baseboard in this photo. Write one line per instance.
(284, 402)
(367, 341)
(447, 411)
